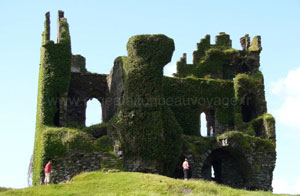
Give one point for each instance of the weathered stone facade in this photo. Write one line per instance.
(83, 87)
(153, 121)
(64, 168)
(234, 166)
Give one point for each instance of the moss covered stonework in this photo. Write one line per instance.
(148, 132)
(152, 122)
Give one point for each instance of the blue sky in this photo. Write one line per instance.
(100, 31)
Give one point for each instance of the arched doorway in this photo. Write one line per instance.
(178, 173)
(93, 114)
(225, 166)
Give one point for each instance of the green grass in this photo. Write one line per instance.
(130, 183)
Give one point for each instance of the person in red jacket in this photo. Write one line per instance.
(186, 167)
(47, 173)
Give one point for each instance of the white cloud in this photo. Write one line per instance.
(297, 186)
(288, 90)
(170, 69)
(282, 186)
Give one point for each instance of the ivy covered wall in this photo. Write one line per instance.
(148, 132)
(188, 97)
(54, 78)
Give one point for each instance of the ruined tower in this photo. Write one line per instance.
(151, 122)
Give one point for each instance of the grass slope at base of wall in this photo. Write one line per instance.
(130, 184)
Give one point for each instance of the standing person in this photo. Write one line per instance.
(186, 167)
(47, 173)
(211, 131)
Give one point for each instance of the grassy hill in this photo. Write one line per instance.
(129, 183)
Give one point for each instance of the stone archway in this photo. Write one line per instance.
(230, 167)
(93, 112)
(84, 87)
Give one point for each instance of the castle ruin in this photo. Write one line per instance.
(151, 122)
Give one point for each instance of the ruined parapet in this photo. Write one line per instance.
(223, 40)
(202, 46)
(183, 69)
(245, 42)
(256, 44)
(78, 64)
(46, 33)
(220, 60)
(60, 18)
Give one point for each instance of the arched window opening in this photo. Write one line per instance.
(203, 125)
(93, 113)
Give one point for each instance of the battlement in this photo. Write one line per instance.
(61, 20)
(220, 60)
(223, 41)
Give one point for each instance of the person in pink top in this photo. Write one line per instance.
(47, 173)
(211, 131)
(186, 167)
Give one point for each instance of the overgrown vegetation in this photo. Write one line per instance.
(246, 142)
(54, 78)
(159, 116)
(97, 130)
(196, 145)
(214, 61)
(249, 92)
(147, 130)
(188, 97)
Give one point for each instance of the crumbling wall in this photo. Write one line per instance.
(64, 168)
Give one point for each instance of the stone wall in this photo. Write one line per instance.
(84, 87)
(238, 167)
(115, 83)
(64, 168)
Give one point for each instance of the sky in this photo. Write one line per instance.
(100, 30)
